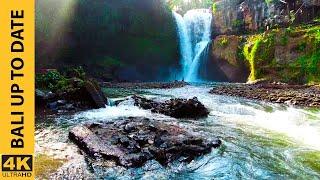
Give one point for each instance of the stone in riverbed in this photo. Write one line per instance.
(177, 108)
(148, 139)
(298, 95)
(80, 96)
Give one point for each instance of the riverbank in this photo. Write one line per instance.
(297, 95)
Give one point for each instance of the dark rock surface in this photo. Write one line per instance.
(131, 142)
(147, 85)
(82, 96)
(298, 95)
(177, 108)
(225, 55)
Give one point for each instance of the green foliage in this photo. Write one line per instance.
(269, 1)
(79, 72)
(55, 81)
(237, 23)
(309, 67)
(258, 51)
(303, 70)
(240, 50)
(292, 16)
(214, 8)
(302, 46)
(223, 42)
(193, 4)
(284, 40)
(289, 30)
(285, 37)
(49, 80)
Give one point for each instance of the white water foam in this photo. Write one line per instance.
(194, 30)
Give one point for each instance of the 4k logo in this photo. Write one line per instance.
(16, 163)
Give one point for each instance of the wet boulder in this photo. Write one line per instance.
(79, 95)
(131, 142)
(177, 108)
(85, 94)
(95, 94)
(42, 98)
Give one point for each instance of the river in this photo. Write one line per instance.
(260, 140)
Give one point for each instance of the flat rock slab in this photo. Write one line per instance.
(131, 142)
(177, 108)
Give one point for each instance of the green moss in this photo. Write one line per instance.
(214, 8)
(269, 1)
(308, 65)
(237, 23)
(187, 5)
(45, 165)
(223, 42)
(259, 51)
(284, 40)
(302, 46)
(79, 72)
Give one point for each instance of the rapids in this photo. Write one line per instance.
(260, 140)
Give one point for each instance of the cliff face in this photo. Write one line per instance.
(289, 55)
(283, 54)
(239, 16)
(225, 52)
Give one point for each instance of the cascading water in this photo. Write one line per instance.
(194, 30)
(260, 140)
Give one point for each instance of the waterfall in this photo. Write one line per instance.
(194, 31)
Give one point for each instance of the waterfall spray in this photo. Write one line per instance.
(194, 31)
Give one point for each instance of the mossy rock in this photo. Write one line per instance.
(289, 55)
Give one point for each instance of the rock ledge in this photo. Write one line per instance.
(177, 108)
(133, 141)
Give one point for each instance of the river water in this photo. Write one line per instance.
(260, 140)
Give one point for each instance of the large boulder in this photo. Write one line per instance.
(177, 108)
(95, 93)
(79, 95)
(86, 94)
(131, 142)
